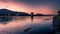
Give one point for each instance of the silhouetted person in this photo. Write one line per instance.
(56, 23)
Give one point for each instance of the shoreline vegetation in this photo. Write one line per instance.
(56, 24)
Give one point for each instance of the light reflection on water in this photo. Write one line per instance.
(17, 24)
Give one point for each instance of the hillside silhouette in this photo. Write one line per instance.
(6, 12)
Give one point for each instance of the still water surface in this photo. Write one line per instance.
(25, 24)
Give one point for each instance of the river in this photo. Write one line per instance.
(25, 24)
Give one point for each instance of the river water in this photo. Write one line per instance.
(25, 24)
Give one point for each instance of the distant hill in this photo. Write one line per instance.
(5, 12)
(38, 15)
(43, 15)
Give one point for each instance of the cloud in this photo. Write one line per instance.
(27, 6)
(4, 1)
(14, 6)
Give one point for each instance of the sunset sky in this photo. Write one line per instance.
(23, 24)
(28, 6)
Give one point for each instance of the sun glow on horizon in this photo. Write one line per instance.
(21, 7)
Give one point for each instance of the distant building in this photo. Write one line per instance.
(32, 13)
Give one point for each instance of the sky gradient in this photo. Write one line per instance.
(28, 6)
(19, 24)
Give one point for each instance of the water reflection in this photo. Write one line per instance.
(26, 24)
